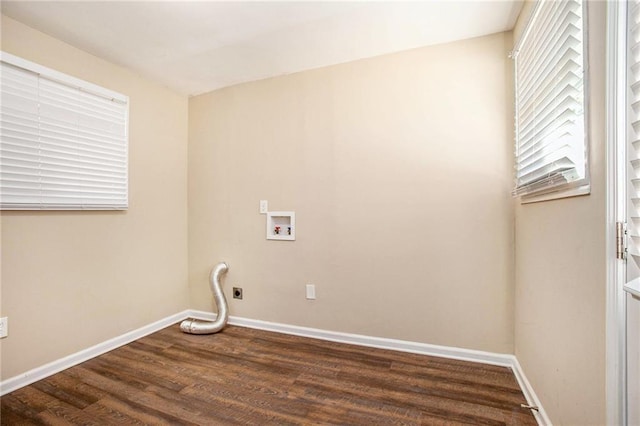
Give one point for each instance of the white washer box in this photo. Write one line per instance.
(281, 226)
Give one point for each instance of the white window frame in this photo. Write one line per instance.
(616, 210)
(556, 186)
(60, 177)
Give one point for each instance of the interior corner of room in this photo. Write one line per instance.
(389, 178)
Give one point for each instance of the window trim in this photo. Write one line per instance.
(575, 188)
(616, 163)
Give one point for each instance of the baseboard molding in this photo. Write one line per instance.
(541, 415)
(54, 367)
(505, 360)
(369, 341)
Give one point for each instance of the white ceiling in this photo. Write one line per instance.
(194, 47)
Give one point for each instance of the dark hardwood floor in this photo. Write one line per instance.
(245, 376)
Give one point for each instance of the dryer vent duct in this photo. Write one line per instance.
(210, 327)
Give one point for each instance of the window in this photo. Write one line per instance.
(551, 148)
(63, 141)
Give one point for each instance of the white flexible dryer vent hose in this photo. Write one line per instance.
(210, 327)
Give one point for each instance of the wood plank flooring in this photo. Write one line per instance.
(246, 376)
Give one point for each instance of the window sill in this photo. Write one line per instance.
(566, 193)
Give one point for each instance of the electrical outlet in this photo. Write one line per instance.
(264, 206)
(237, 292)
(311, 291)
(4, 327)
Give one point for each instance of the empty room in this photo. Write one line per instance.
(340, 212)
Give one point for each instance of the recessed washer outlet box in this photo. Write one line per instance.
(281, 226)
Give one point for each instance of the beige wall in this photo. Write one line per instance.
(398, 169)
(74, 279)
(560, 276)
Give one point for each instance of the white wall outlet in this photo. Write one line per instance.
(311, 291)
(4, 327)
(264, 206)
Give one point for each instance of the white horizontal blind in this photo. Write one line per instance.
(550, 126)
(63, 141)
(633, 124)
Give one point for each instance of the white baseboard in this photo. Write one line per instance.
(56, 366)
(505, 360)
(362, 340)
(532, 399)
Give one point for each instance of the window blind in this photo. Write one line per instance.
(550, 126)
(63, 141)
(633, 122)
